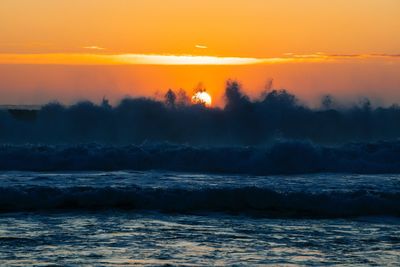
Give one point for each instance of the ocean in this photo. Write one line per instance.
(166, 218)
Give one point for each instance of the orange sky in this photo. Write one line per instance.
(72, 49)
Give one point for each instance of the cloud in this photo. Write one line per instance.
(157, 59)
(321, 55)
(201, 46)
(127, 59)
(184, 60)
(93, 47)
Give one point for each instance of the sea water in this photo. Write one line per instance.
(165, 218)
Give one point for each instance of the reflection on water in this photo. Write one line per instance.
(116, 239)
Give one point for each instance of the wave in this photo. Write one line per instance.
(285, 157)
(277, 114)
(247, 200)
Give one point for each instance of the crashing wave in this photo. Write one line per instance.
(277, 114)
(291, 157)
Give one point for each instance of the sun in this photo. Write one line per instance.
(202, 98)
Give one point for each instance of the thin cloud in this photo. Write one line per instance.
(184, 60)
(94, 47)
(342, 56)
(126, 59)
(155, 59)
(201, 46)
(386, 55)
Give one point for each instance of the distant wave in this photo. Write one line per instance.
(276, 115)
(285, 157)
(248, 200)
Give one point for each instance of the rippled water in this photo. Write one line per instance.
(35, 231)
(117, 238)
(157, 179)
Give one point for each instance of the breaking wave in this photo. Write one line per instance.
(247, 200)
(285, 157)
(276, 115)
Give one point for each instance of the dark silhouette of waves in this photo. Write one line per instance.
(277, 114)
(283, 157)
(245, 200)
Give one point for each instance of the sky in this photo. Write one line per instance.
(69, 50)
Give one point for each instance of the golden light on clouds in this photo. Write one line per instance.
(201, 46)
(93, 47)
(183, 60)
(152, 59)
(129, 59)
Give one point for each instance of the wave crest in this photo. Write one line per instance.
(276, 114)
(291, 157)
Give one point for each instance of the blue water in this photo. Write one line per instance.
(159, 218)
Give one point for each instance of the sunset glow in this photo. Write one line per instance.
(139, 59)
(142, 59)
(71, 50)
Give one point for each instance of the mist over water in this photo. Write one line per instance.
(276, 115)
(274, 134)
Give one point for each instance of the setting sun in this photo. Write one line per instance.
(202, 97)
